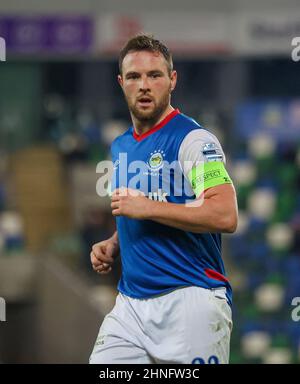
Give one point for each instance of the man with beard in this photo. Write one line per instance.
(174, 299)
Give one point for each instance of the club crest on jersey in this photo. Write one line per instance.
(156, 160)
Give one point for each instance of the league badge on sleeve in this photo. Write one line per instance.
(211, 152)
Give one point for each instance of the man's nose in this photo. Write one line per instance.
(144, 83)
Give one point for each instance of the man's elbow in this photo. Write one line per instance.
(228, 223)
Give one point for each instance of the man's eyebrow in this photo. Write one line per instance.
(152, 72)
(155, 71)
(131, 73)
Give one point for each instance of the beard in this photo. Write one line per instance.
(152, 115)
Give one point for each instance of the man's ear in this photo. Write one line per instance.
(120, 81)
(173, 77)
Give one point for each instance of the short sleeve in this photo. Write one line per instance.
(202, 160)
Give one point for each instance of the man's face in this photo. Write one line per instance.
(146, 84)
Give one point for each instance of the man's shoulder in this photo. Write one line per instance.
(187, 126)
(192, 129)
(187, 121)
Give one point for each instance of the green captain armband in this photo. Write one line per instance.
(207, 175)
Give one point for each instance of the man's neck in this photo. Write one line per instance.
(143, 127)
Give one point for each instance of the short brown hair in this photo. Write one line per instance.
(144, 42)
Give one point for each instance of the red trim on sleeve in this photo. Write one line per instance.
(215, 275)
(156, 127)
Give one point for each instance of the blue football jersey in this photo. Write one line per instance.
(157, 258)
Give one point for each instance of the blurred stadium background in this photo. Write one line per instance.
(60, 108)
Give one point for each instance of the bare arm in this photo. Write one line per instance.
(115, 240)
(218, 213)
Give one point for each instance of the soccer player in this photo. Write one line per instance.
(174, 300)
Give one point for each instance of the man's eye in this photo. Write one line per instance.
(132, 77)
(155, 75)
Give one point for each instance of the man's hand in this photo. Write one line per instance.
(131, 203)
(104, 253)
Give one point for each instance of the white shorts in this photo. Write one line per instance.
(187, 325)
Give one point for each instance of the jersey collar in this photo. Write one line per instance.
(157, 126)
